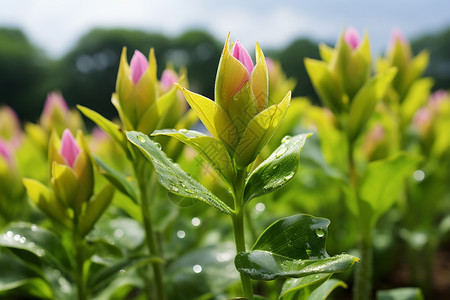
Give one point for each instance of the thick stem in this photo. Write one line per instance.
(238, 227)
(79, 263)
(363, 274)
(150, 236)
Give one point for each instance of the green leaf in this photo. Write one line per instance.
(263, 265)
(44, 198)
(121, 182)
(312, 287)
(301, 287)
(383, 182)
(417, 96)
(112, 129)
(104, 275)
(325, 84)
(292, 247)
(37, 240)
(363, 104)
(171, 176)
(259, 131)
(277, 170)
(95, 208)
(407, 293)
(17, 277)
(210, 149)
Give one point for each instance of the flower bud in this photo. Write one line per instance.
(240, 116)
(352, 38)
(168, 78)
(138, 66)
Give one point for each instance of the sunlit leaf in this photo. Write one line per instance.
(210, 149)
(172, 177)
(277, 170)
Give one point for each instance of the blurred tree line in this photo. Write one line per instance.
(86, 75)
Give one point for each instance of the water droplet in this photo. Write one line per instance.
(195, 221)
(184, 130)
(34, 227)
(183, 185)
(16, 237)
(280, 151)
(286, 139)
(122, 271)
(23, 240)
(10, 234)
(181, 234)
(260, 207)
(289, 176)
(320, 232)
(141, 138)
(419, 175)
(158, 145)
(174, 188)
(274, 167)
(118, 233)
(197, 268)
(31, 244)
(40, 252)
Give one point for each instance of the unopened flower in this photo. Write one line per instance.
(351, 37)
(241, 116)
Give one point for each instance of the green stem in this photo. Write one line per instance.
(79, 263)
(238, 227)
(363, 274)
(150, 236)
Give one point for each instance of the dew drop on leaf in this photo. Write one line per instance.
(280, 152)
(286, 139)
(141, 138)
(320, 232)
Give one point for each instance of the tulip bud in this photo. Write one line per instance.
(138, 66)
(168, 78)
(10, 126)
(5, 151)
(240, 116)
(352, 38)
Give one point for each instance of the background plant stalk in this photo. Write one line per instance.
(146, 189)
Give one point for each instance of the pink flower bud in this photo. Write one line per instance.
(352, 38)
(168, 78)
(138, 65)
(397, 35)
(54, 101)
(69, 148)
(242, 55)
(437, 98)
(5, 151)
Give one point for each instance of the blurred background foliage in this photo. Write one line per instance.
(86, 74)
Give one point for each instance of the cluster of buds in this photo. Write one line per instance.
(141, 100)
(241, 116)
(409, 68)
(343, 80)
(431, 122)
(70, 198)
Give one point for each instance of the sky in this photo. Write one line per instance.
(55, 25)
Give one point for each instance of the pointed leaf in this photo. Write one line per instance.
(215, 119)
(95, 208)
(277, 170)
(259, 131)
(112, 129)
(44, 198)
(65, 184)
(154, 114)
(210, 149)
(122, 183)
(325, 84)
(417, 96)
(363, 104)
(171, 176)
